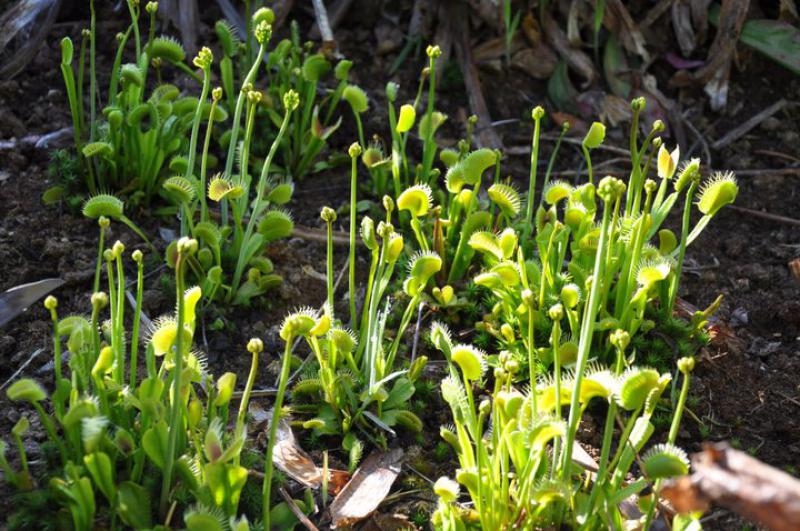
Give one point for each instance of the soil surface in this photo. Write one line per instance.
(746, 388)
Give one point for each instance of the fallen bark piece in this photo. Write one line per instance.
(794, 267)
(27, 22)
(367, 488)
(736, 481)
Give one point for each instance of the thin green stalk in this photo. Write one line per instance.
(555, 339)
(243, 258)
(204, 160)
(429, 148)
(118, 321)
(585, 342)
(370, 282)
(636, 105)
(685, 365)
(197, 115)
(81, 69)
(137, 315)
(89, 363)
(608, 433)
(176, 411)
(687, 212)
(329, 256)
(92, 74)
(588, 158)
(103, 222)
(135, 23)
(254, 349)
(352, 257)
(360, 129)
(273, 432)
(564, 128)
(50, 304)
(537, 114)
(237, 117)
(240, 205)
(23, 457)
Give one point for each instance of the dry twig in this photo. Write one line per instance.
(742, 129)
(743, 484)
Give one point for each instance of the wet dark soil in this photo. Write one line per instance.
(746, 390)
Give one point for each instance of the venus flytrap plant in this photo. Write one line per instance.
(230, 264)
(250, 245)
(593, 139)
(506, 469)
(613, 279)
(429, 146)
(117, 438)
(128, 153)
(289, 66)
(298, 324)
(357, 99)
(356, 387)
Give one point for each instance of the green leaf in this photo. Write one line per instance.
(53, 195)
(404, 418)
(133, 505)
(26, 390)
(777, 40)
(560, 89)
(614, 67)
(225, 482)
(401, 391)
(155, 443)
(281, 194)
(99, 466)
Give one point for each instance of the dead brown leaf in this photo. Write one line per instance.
(26, 25)
(388, 522)
(495, 49)
(538, 63)
(682, 27)
(531, 29)
(619, 21)
(290, 458)
(614, 110)
(575, 58)
(714, 75)
(577, 126)
(367, 488)
(794, 267)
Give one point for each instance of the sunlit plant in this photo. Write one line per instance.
(291, 65)
(566, 305)
(130, 447)
(357, 387)
(129, 150)
(230, 265)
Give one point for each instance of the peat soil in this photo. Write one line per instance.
(746, 388)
